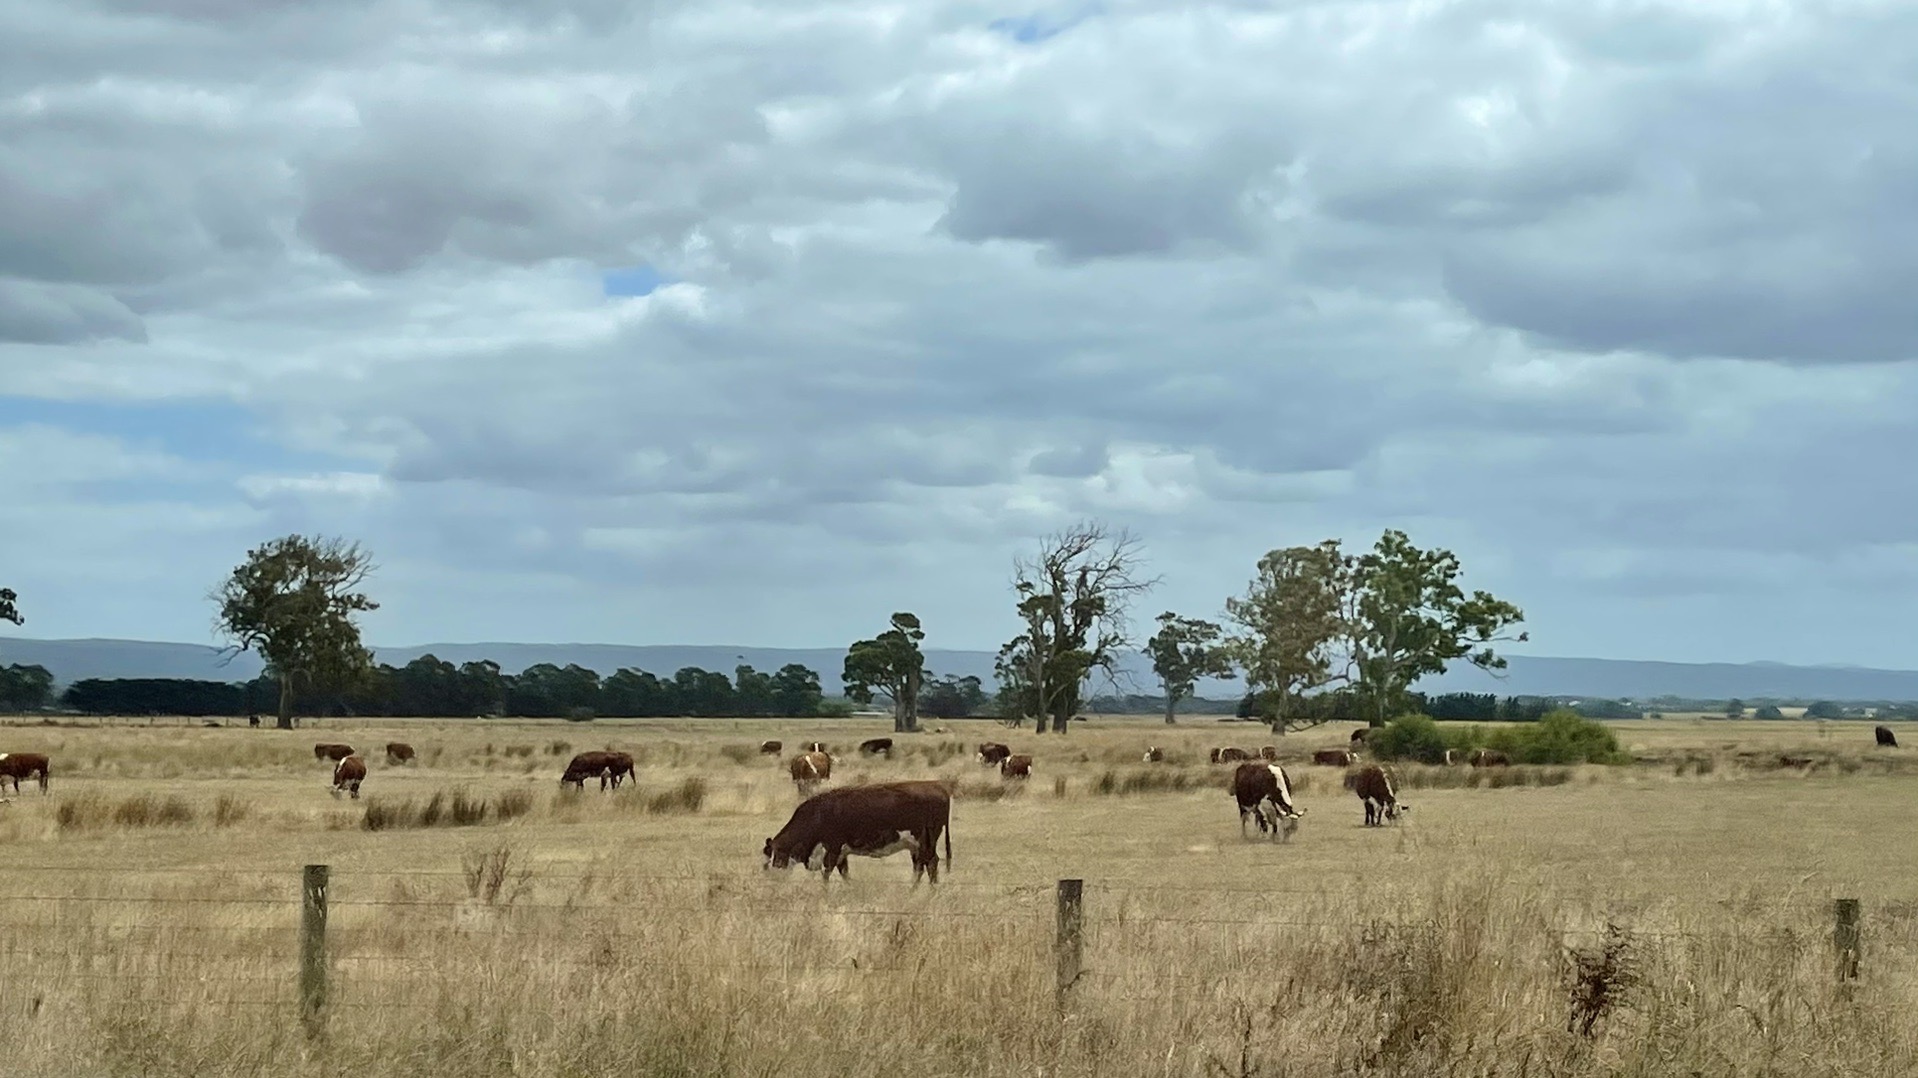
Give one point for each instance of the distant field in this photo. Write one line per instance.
(149, 908)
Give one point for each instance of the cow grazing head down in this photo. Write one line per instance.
(1154, 755)
(1264, 793)
(875, 820)
(992, 752)
(347, 775)
(1015, 767)
(1374, 788)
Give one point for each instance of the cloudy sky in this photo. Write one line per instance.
(715, 322)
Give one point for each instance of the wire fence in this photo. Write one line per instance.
(398, 939)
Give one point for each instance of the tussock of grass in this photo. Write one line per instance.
(461, 808)
(229, 811)
(91, 812)
(686, 797)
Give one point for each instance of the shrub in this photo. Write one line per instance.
(1563, 737)
(559, 748)
(384, 815)
(686, 797)
(229, 810)
(834, 709)
(434, 810)
(466, 809)
(1409, 737)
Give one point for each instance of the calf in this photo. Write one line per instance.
(1153, 755)
(1885, 738)
(1265, 794)
(878, 746)
(1490, 758)
(399, 752)
(15, 766)
(991, 752)
(770, 748)
(348, 775)
(870, 821)
(591, 764)
(327, 750)
(1229, 756)
(808, 770)
(1015, 767)
(1333, 758)
(1374, 787)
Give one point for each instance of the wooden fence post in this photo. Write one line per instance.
(1844, 939)
(1069, 943)
(313, 883)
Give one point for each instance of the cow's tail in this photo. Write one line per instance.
(948, 842)
(46, 775)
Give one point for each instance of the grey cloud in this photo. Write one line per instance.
(37, 313)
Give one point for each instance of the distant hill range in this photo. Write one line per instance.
(72, 660)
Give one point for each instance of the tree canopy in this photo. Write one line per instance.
(1074, 596)
(889, 665)
(294, 601)
(1183, 651)
(9, 608)
(1290, 621)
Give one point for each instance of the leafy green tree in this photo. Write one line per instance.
(294, 601)
(1735, 709)
(1824, 709)
(1769, 711)
(633, 694)
(9, 608)
(752, 691)
(482, 688)
(1183, 651)
(952, 697)
(1291, 620)
(1073, 598)
(25, 688)
(702, 693)
(1407, 617)
(889, 665)
(795, 691)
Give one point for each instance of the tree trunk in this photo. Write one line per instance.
(286, 703)
(898, 715)
(1171, 702)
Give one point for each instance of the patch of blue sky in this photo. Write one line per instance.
(199, 430)
(1041, 26)
(640, 280)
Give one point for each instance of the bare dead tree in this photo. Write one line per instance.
(1074, 598)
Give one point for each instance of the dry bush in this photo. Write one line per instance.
(229, 811)
(434, 810)
(512, 804)
(740, 754)
(559, 748)
(465, 808)
(517, 750)
(384, 815)
(90, 812)
(1157, 779)
(491, 875)
(686, 797)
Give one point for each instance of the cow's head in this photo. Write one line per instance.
(776, 858)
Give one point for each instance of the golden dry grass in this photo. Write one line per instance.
(154, 932)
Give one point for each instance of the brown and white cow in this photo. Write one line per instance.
(1451, 757)
(1270, 754)
(328, 750)
(1265, 793)
(992, 752)
(1333, 758)
(399, 752)
(1359, 735)
(876, 820)
(15, 766)
(770, 748)
(1015, 767)
(877, 746)
(1885, 737)
(1374, 787)
(808, 770)
(594, 763)
(1153, 755)
(347, 775)
(1229, 755)
(1490, 758)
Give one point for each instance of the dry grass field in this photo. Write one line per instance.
(495, 925)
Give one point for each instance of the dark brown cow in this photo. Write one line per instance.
(1265, 794)
(399, 752)
(15, 766)
(870, 821)
(809, 769)
(1270, 754)
(1885, 738)
(1015, 767)
(620, 764)
(1359, 735)
(1374, 787)
(770, 748)
(991, 752)
(1333, 758)
(327, 750)
(1229, 755)
(1490, 758)
(878, 746)
(348, 775)
(590, 764)
(1154, 755)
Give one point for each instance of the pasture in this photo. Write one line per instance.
(494, 924)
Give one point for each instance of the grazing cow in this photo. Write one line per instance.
(1153, 755)
(620, 764)
(1270, 754)
(1265, 794)
(253, 720)
(1490, 758)
(327, 750)
(1359, 735)
(1885, 737)
(1333, 758)
(991, 752)
(591, 764)
(814, 746)
(1374, 787)
(399, 752)
(1229, 756)
(15, 766)
(878, 746)
(871, 821)
(770, 748)
(808, 770)
(1015, 767)
(348, 776)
